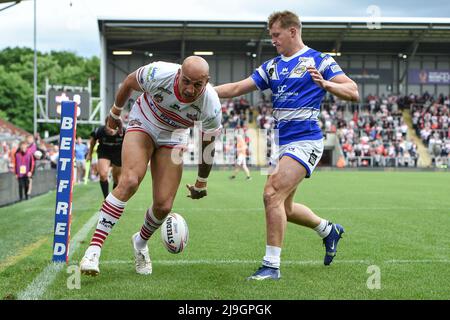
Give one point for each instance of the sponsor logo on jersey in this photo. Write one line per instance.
(284, 72)
(161, 116)
(292, 149)
(151, 73)
(193, 117)
(300, 69)
(312, 158)
(134, 123)
(282, 89)
(162, 89)
(282, 95)
(193, 106)
(307, 61)
(158, 98)
(168, 120)
(272, 71)
(335, 68)
(175, 106)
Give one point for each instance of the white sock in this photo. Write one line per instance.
(110, 212)
(151, 224)
(139, 242)
(324, 228)
(272, 257)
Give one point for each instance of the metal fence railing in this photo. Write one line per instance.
(375, 161)
(43, 181)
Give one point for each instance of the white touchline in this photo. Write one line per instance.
(286, 262)
(315, 208)
(36, 289)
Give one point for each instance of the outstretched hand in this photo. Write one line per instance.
(195, 192)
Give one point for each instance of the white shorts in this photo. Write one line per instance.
(161, 137)
(241, 160)
(307, 153)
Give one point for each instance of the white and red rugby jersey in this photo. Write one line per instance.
(162, 105)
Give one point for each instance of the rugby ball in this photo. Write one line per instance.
(174, 233)
(38, 154)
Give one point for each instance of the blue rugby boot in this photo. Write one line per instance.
(331, 242)
(264, 273)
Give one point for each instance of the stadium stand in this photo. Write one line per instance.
(373, 133)
(376, 135)
(44, 178)
(237, 113)
(430, 118)
(10, 136)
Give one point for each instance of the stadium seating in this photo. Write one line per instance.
(430, 118)
(370, 134)
(376, 135)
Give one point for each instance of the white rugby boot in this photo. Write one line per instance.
(89, 263)
(142, 260)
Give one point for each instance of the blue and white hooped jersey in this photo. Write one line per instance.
(296, 97)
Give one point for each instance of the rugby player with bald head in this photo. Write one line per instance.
(173, 98)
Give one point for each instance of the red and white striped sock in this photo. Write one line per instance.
(151, 224)
(110, 213)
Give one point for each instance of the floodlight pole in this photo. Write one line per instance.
(35, 75)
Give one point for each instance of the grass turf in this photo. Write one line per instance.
(398, 221)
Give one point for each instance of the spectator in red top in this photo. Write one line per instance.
(24, 166)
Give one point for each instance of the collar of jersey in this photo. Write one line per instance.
(298, 53)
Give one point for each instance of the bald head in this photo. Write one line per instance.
(194, 77)
(195, 67)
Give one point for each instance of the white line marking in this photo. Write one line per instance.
(287, 262)
(394, 261)
(36, 289)
(362, 209)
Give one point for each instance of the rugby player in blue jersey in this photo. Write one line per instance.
(299, 78)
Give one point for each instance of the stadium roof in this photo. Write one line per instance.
(347, 35)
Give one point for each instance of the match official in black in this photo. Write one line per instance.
(109, 155)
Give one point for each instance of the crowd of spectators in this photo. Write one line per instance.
(430, 118)
(45, 155)
(371, 133)
(374, 134)
(264, 119)
(237, 113)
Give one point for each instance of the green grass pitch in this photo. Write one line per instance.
(397, 221)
